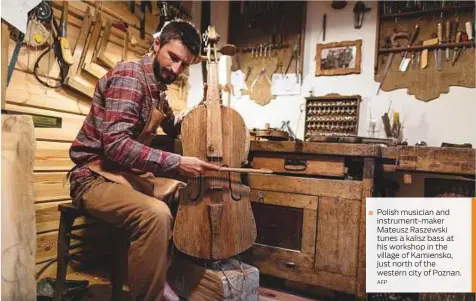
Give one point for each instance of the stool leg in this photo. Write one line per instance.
(119, 268)
(64, 238)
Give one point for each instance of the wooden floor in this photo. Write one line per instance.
(100, 289)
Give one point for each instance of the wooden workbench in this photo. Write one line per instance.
(307, 211)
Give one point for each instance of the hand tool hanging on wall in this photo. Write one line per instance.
(456, 51)
(439, 52)
(61, 48)
(19, 37)
(294, 56)
(448, 38)
(405, 61)
(395, 36)
(42, 13)
(324, 23)
(359, 10)
(338, 4)
(469, 30)
(141, 14)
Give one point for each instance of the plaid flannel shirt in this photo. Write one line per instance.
(120, 109)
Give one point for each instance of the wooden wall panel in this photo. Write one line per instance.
(26, 90)
(48, 216)
(47, 244)
(52, 156)
(71, 123)
(50, 186)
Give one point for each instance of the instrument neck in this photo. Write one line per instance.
(214, 119)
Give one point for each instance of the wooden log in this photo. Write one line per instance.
(202, 284)
(18, 211)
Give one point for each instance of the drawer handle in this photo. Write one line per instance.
(295, 164)
(261, 196)
(290, 264)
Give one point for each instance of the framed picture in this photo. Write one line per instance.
(339, 58)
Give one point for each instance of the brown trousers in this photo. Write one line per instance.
(148, 221)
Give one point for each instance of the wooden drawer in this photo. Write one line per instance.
(300, 164)
(309, 186)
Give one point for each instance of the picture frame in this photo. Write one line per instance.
(338, 58)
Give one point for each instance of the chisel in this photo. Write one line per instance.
(397, 35)
(406, 61)
(439, 52)
(457, 51)
(448, 39)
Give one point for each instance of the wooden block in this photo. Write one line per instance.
(197, 283)
(18, 211)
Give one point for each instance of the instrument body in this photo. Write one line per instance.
(214, 218)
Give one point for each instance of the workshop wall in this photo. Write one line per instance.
(450, 118)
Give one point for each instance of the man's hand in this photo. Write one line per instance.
(193, 167)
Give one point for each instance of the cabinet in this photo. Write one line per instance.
(310, 214)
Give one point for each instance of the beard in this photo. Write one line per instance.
(162, 74)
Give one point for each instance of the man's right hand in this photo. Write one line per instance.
(193, 167)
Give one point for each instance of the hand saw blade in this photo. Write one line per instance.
(404, 64)
(439, 55)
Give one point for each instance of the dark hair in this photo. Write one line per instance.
(184, 31)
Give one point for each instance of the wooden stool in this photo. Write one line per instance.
(119, 271)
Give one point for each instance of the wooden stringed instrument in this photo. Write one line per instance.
(214, 219)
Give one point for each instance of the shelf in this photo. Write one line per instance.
(427, 11)
(417, 48)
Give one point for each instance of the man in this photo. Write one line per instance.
(111, 149)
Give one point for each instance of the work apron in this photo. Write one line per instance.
(164, 189)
